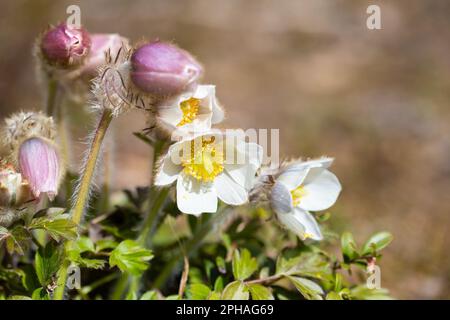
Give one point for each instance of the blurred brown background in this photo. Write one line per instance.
(377, 101)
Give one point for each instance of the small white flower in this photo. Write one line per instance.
(302, 187)
(192, 111)
(208, 167)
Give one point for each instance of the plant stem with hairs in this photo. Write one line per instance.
(82, 195)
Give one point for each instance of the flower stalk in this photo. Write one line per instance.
(83, 193)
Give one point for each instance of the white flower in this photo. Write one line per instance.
(192, 111)
(302, 187)
(208, 167)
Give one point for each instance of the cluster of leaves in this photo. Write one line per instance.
(239, 257)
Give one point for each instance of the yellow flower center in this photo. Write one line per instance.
(205, 161)
(297, 194)
(190, 110)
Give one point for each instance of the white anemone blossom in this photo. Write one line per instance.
(210, 166)
(302, 187)
(194, 111)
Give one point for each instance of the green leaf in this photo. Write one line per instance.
(259, 292)
(377, 242)
(235, 291)
(47, 262)
(150, 295)
(361, 292)
(348, 245)
(104, 244)
(80, 246)
(17, 297)
(17, 241)
(130, 257)
(333, 296)
(243, 264)
(198, 291)
(58, 226)
(218, 284)
(40, 294)
(309, 289)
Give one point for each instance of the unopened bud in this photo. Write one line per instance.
(163, 69)
(65, 45)
(101, 45)
(39, 164)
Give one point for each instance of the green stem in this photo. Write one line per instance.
(191, 246)
(83, 193)
(52, 91)
(151, 217)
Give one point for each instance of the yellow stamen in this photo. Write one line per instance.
(297, 194)
(205, 162)
(190, 110)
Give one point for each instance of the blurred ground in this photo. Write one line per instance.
(377, 101)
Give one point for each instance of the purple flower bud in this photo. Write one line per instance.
(100, 44)
(39, 164)
(65, 45)
(164, 69)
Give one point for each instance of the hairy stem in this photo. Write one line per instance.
(83, 193)
(52, 92)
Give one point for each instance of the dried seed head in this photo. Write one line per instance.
(163, 70)
(14, 190)
(24, 125)
(65, 45)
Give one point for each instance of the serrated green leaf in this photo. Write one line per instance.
(243, 264)
(259, 292)
(348, 246)
(47, 262)
(198, 291)
(309, 289)
(104, 244)
(58, 227)
(130, 257)
(235, 291)
(377, 242)
(18, 240)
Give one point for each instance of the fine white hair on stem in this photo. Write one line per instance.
(88, 141)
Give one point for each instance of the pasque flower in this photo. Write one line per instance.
(208, 167)
(65, 45)
(192, 111)
(163, 70)
(301, 187)
(30, 137)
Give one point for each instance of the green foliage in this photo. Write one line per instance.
(130, 257)
(47, 261)
(243, 264)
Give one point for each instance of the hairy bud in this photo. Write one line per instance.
(163, 69)
(65, 45)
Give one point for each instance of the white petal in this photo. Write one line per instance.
(247, 152)
(170, 114)
(167, 173)
(293, 176)
(321, 193)
(229, 191)
(301, 223)
(281, 198)
(193, 197)
(204, 91)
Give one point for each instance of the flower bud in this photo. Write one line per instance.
(163, 69)
(65, 45)
(100, 45)
(39, 164)
(30, 136)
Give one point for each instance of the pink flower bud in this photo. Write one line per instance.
(100, 45)
(65, 45)
(164, 69)
(39, 164)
